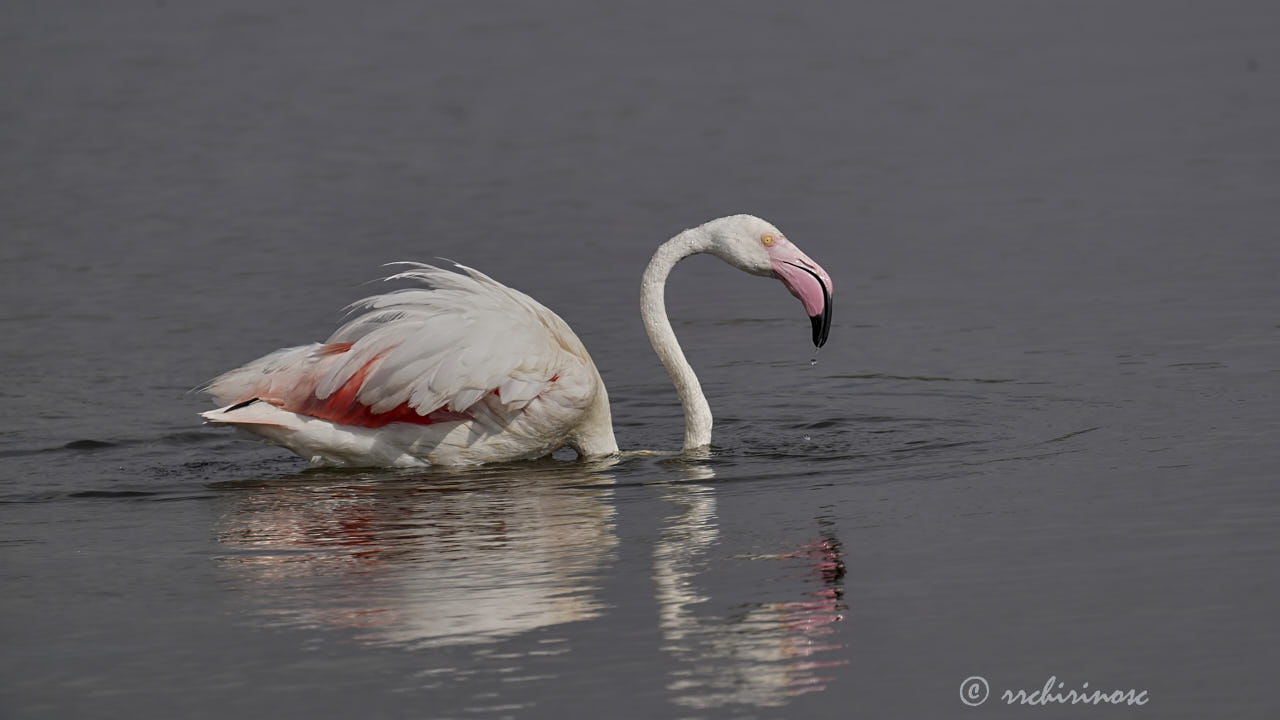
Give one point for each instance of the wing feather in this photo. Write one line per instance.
(449, 343)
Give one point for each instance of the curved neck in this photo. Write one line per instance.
(653, 311)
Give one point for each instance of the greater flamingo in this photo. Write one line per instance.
(467, 370)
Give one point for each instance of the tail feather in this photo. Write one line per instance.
(250, 412)
(272, 376)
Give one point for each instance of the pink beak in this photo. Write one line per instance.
(806, 280)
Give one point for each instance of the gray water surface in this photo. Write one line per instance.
(1041, 442)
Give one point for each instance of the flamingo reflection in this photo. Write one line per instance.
(436, 560)
(757, 653)
(424, 561)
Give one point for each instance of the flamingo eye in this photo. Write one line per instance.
(766, 239)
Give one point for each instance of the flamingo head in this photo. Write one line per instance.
(756, 246)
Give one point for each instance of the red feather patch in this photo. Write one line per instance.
(342, 408)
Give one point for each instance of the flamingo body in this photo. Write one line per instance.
(464, 370)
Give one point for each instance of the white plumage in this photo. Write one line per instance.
(464, 369)
(501, 374)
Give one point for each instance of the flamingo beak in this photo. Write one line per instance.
(808, 282)
(822, 321)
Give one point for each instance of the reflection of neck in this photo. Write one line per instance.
(653, 311)
(679, 552)
(763, 652)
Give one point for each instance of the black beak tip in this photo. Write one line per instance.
(822, 321)
(821, 326)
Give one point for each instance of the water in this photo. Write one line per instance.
(1041, 441)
